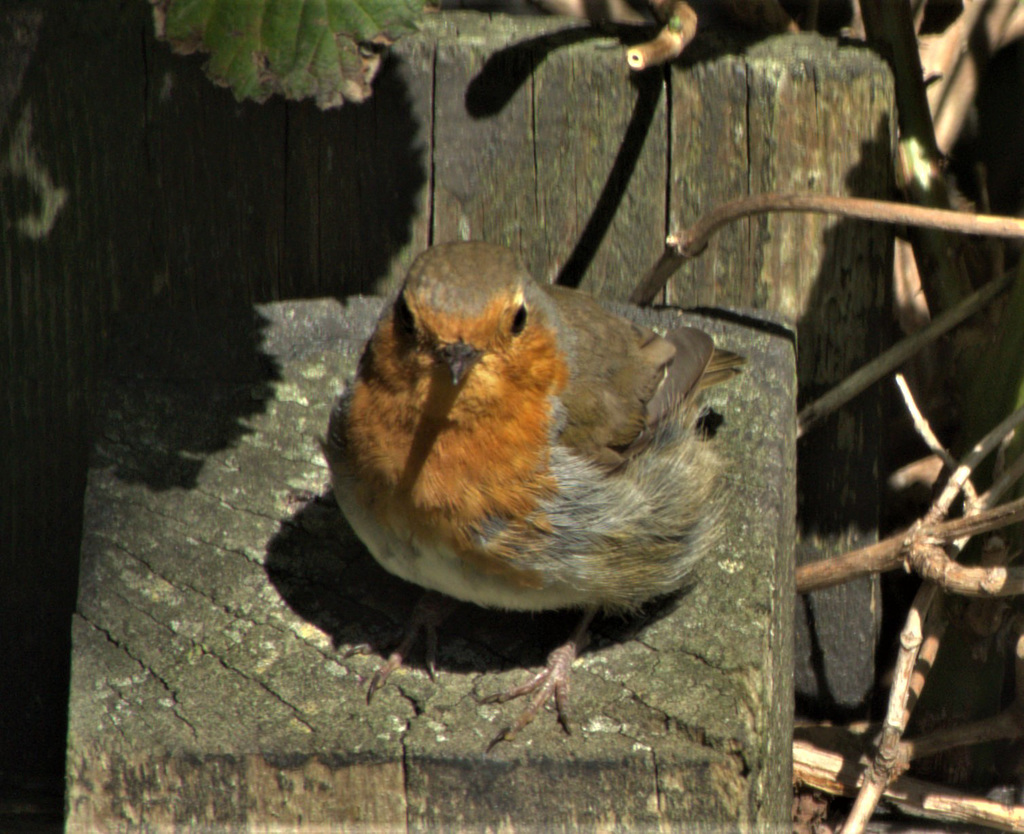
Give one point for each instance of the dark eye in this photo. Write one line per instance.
(403, 317)
(519, 322)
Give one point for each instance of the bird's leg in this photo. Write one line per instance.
(552, 680)
(429, 613)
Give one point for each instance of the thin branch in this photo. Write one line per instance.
(981, 449)
(1006, 726)
(984, 521)
(958, 57)
(1007, 479)
(811, 414)
(899, 551)
(925, 430)
(831, 772)
(921, 424)
(934, 631)
(886, 764)
(932, 563)
(691, 242)
(827, 758)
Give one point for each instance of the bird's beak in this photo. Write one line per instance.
(459, 357)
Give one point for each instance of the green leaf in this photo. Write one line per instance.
(328, 50)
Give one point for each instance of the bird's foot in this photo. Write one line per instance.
(429, 613)
(552, 680)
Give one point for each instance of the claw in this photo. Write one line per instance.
(429, 612)
(552, 680)
(380, 677)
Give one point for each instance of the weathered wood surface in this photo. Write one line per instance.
(801, 115)
(129, 182)
(209, 683)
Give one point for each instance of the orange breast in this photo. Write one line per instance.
(440, 462)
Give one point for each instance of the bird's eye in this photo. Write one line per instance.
(403, 317)
(519, 322)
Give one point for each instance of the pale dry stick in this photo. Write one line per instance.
(883, 768)
(690, 242)
(917, 8)
(922, 425)
(827, 771)
(981, 449)
(925, 430)
(891, 755)
(935, 629)
(984, 521)
(865, 376)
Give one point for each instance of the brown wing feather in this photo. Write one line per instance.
(625, 378)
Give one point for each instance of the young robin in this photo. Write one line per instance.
(515, 445)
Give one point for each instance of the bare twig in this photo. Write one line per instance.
(691, 242)
(936, 628)
(1006, 726)
(886, 765)
(924, 428)
(924, 471)
(811, 414)
(1007, 479)
(826, 758)
(831, 772)
(981, 449)
(917, 548)
(933, 564)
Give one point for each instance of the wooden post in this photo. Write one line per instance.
(217, 600)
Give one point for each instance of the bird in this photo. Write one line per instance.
(515, 445)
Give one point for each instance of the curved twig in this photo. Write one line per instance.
(669, 43)
(691, 242)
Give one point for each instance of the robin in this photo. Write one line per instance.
(515, 445)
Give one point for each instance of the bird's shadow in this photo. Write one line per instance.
(326, 576)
